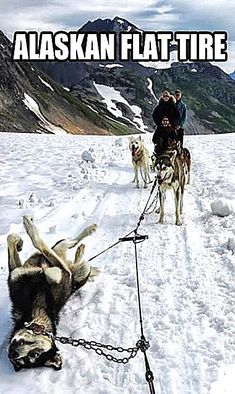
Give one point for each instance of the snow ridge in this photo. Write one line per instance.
(111, 96)
(31, 104)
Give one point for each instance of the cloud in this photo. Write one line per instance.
(39, 15)
(186, 15)
(156, 15)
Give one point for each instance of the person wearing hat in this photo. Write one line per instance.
(181, 106)
(167, 118)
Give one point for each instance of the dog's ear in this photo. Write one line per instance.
(54, 362)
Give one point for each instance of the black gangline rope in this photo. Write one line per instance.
(137, 238)
(110, 247)
(132, 231)
(148, 374)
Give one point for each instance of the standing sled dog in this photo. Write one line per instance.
(173, 172)
(140, 160)
(38, 290)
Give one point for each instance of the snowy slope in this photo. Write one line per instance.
(31, 104)
(161, 65)
(112, 96)
(187, 272)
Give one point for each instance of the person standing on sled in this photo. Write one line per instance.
(181, 106)
(167, 119)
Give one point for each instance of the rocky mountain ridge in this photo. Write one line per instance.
(109, 98)
(30, 101)
(208, 91)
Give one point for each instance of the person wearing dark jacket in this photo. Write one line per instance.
(166, 109)
(181, 106)
(164, 137)
(167, 119)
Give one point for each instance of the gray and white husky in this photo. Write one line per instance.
(173, 172)
(38, 290)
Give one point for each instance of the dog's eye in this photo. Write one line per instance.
(34, 354)
(163, 167)
(21, 342)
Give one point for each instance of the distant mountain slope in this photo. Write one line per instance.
(208, 91)
(32, 102)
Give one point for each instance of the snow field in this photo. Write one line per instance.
(186, 273)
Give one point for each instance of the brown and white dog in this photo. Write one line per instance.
(140, 160)
(38, 290)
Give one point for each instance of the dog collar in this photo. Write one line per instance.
(36, 328)
(165, 179)
(137, 157)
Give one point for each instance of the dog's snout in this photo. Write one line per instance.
(13, 353)
(13, 350)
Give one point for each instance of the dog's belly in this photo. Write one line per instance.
(37, 260)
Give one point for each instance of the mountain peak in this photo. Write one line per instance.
(117, 24)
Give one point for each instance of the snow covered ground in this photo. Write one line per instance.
(187, 272)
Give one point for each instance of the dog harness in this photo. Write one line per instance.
(136, 157)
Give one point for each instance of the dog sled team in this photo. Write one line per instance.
(170, 160)
(41, 286)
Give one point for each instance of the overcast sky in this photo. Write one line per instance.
(146, 14)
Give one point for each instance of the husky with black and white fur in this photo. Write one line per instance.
(173, 172)
(38, 290)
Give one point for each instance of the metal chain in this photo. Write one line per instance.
(97, 347)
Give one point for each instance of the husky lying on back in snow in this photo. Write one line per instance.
(140, 160)
(173, 172)
(38, 290)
